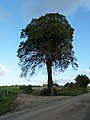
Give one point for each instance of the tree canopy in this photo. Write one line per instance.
(82, 81)
(48, 41)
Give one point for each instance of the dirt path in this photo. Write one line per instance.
(72, 108)
(24, 101)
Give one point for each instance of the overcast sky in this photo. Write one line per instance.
(16, 14)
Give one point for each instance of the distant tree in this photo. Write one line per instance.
(70, 85)
(48, 41)
(82, 81)
(56, 85)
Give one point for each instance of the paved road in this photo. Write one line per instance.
(73, 108)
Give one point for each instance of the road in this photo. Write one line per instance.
(73, 108)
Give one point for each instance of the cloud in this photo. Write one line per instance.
(4, 15)
(64, 80)
(87, 72)
(38, 7)
(3, 70)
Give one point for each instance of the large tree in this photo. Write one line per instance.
(82, 81)
(48, 41)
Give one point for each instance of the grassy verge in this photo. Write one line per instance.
(8, 94)
(75, 92)
(65, 91)
(7, 97)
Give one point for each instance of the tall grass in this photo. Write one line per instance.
(7, 97)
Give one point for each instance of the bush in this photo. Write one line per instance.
(70, 86)
(56, 85)
(76, 91)
(45, 92)
(26, 89)
(71, 89)
(58, 91)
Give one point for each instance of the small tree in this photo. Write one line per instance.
(48, 41)
(82, 81)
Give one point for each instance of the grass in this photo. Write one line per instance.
(65, 91)
(9, 93)
(76, 91)
(7, 97)
(88, 87)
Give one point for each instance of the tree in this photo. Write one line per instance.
(48, 41)
(82, 81)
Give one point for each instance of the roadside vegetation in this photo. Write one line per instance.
(8, 94)
(71, 89)
(7, 97)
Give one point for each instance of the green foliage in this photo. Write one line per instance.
(82, 81)
(77, 88)
(70, 86)
(7, 97)
(26, 89)
(48, 42)
(58, 91)
(88, 87)
(56, 85)
(45, 92)
(76, 91)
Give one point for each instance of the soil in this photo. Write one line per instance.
(25, 101)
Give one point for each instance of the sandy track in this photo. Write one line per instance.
(72, 108)
(25, 101)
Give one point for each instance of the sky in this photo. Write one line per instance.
(16, 14)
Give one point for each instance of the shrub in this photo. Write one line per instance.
(45, 92)
(56, 85)
(77, 91)
(70, 85)
(26, 89)
(58, 91)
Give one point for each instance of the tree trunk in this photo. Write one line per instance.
(49, 71)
